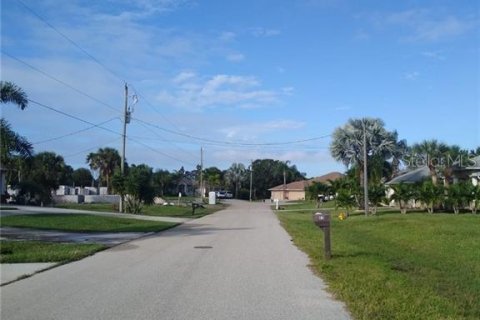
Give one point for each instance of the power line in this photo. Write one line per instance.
(59, 81)
(231, 142)
(74, 132)
(71, 41)
(106, 129)
(72, 116)
(93, 58)
(165, 140)
(91, 148)
(159, 152)
(154, 109)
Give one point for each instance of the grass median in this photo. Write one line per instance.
(393, 266)
(37, 251)
(183, 210)
(83, 223)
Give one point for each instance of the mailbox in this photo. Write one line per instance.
(322, 220)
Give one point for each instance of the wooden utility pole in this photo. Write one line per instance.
(201, 172)
(251, 178)
(126, 119)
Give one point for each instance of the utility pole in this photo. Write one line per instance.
(251, 178)
(126, 119)
(284, 184)
(365, 173)
(201, 172)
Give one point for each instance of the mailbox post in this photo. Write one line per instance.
(322, 220)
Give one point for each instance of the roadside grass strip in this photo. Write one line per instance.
(83, 223)
(184, 210)
(36, 251)
(394, 266)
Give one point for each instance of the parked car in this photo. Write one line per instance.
(224, 195)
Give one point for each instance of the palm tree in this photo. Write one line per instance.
(15, 149)
(11, 93)
(430, 153)
(376, 195)
(430, 194)
(106, 160)
(235, 175)
(348, 147)
(402, 193)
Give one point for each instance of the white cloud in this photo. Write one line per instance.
(184, 76)
(235, 57)
(195, 93)
(435, 55)
(264, 32)
(411, 75)
(430, 25)
(252, 131)
(227, 36)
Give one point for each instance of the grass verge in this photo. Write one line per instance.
(182, 211)
(394, 266)
(83, 223)
(36, 251)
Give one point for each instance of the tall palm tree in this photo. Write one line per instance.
(10, 92)
(432, 153)
(106, 160)
(348, 147)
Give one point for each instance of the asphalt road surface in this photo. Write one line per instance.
(238, 263)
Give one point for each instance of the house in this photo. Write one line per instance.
(296, 190)
(413, 176)
(469, 170)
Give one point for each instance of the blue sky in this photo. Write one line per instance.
(242, 73)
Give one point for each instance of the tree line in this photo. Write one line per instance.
(386, 155)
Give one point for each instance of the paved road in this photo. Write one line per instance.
(245, 267)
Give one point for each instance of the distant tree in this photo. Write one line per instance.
(44, 173)
(82, 177)
(429, 153)
(473, 197)
(11, 93)
(268, 173)
(459, 195)
(345, 199)
(376, 195)
(139, 187)
(403, 193)
(430, 194)
(161, 180)
(235, 175)
(214, 178)
(106, 160)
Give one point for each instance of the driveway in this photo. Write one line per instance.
(235, 264)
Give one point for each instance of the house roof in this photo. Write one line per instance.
(413, 176)
(470, 164)
(300, 185)
(329, 176)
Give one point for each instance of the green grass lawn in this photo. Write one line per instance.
(182, 211)
(36, 251)
(393, 266)
(83, 223)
